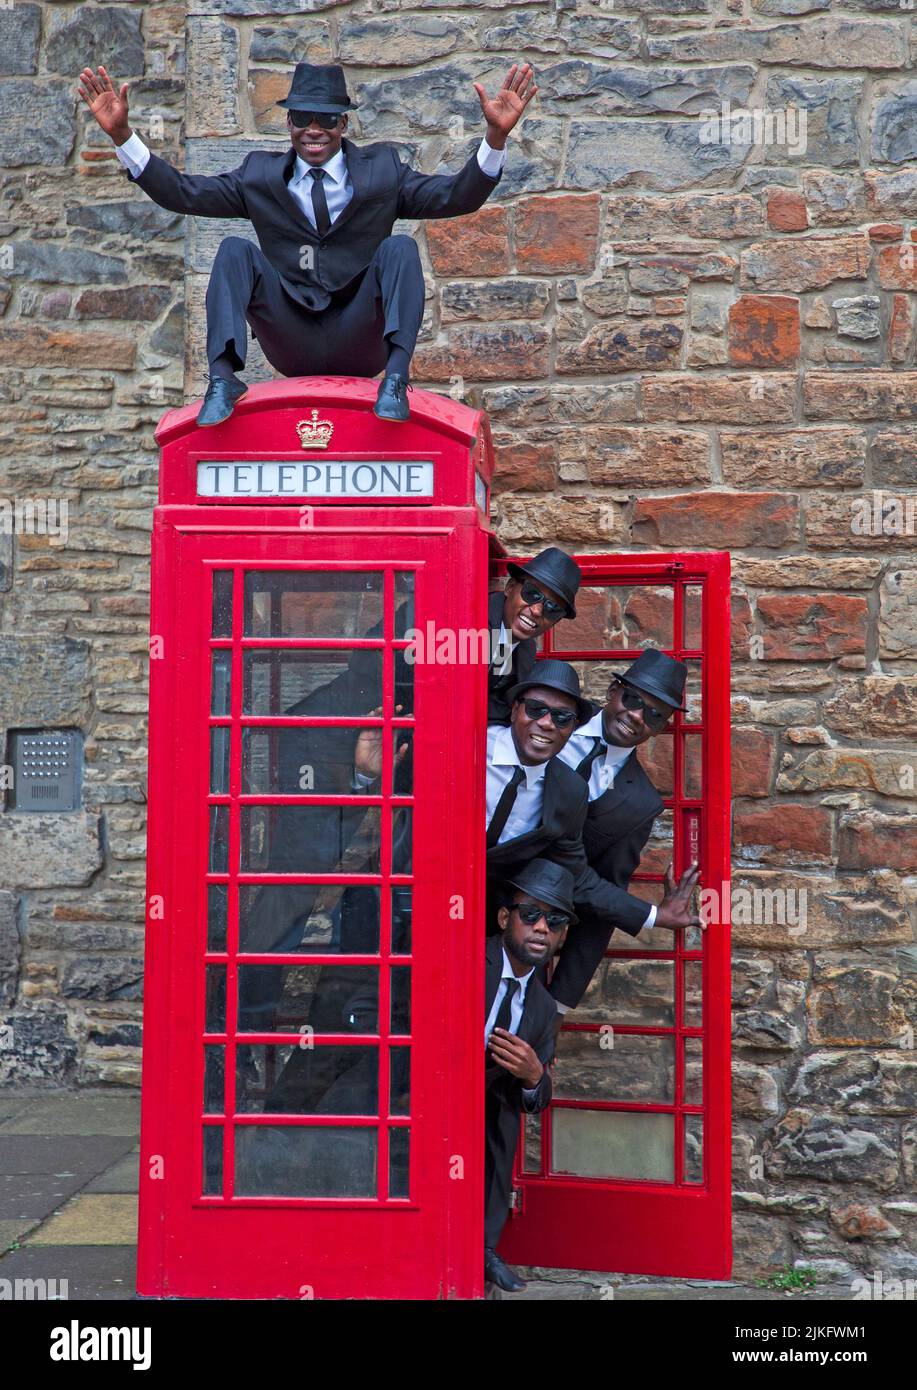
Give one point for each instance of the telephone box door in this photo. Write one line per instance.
(307, 994)
(629, 1168)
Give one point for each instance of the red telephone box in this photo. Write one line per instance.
(312, 1120)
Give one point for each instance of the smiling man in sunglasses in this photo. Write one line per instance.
(537, 594)
(623, 806)
(328, 289)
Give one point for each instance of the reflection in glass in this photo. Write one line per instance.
(325, 998)
(326, 919)
(212, 1176)
(318, 683)
(214, 1080)
(314, 1079)
(613, 1144)
(401, 999)
(221, 625)
(217, 912)
(405, 585)
(399, 1080)
(219, 761)
(220, 682)
(305, 1161)
(311, 839)
(401, 921)
(399, 1147)
(615, 1066)
(694, 1148)
(402, 839)
(215, 1000)
(218, 861)
(308, 603)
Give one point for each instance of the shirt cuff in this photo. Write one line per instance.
(133, 154)
(562, 1008)
(491, 161)
(529, 1093)
(650, 919)
(362, 780)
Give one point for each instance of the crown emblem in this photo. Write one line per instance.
(314, 433)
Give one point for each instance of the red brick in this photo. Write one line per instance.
(524, 467)
(792, 826)
(786, 211)
(812, 627)
(493, 353)
(719, 519)
(556, 234)
(871, 840)
(898, 266)
(473, 245)
(753, 755)
(886, 231)
(900, 329)
(764, 331)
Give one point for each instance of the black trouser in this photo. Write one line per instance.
(351, 337)
(499, 1151)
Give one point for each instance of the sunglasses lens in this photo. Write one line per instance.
(303, 119)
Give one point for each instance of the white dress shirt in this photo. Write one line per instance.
(134, 155)
(502, 758)
(515, 1009)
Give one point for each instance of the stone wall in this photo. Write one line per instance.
(681, 343)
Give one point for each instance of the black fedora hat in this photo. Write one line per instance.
(548, 882)
(659, 675)
(556, 675)
(318, 87)
(554, 568)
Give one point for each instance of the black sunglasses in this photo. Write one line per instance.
(532, 594)
(326, 119)
(530, 914)
(652, 718)
(560, 718)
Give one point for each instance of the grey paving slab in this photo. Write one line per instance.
(91, 1271)
(34, 1196)
(86, 1155)
(122, 1176)
(11, 1231)
(78, 1112)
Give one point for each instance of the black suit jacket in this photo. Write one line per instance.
(559, 835)
(383, 189)
(524, 657)
(536, 1027)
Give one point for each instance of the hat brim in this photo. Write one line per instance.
(650, 687)
(543, 897)
(325, 107)
(584, 707)
(518, 572)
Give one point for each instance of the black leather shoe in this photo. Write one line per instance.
(497, 1271)
(392, 399)
(217, 405)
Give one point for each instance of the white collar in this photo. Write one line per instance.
(508, 973)
(336, 168)
(505, 754)
(615, 756)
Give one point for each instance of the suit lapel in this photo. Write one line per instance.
(493, 956)
(280, 171)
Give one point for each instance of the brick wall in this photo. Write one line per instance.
(681, 343)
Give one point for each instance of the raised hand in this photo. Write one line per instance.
(107, 105)
(516, 1056)
(676, 911)
(501, 112)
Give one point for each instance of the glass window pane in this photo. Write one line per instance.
(399, 1080)
(215, 1001)
(692, 615)
(610, 617)
(399, 1148)
(318, 683)
(294, 998)
(220, 682)
(310, 839)
(656, 757)
(692, 775)
(693, 984)
(405, 585)
(303, 1161)
(694, 1072)
(217, 909)
(307, 1080)
(303, 762)
(219, 761)
(615, 1066)
(401, 999)
(613, 1144)
(402, 839)
(693, 693)
(694, 1148)
(403, 762)
(212, 1176)
(299, 603)
(325, 919)
(214, 1080)
(401, 921)
(218, 861)
(221, 625)
(630, 991)
(531, 1160)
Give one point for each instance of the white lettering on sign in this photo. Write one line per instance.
(315, 478)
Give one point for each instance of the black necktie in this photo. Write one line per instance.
(599, 749)
(503, 807)
(319, 202)
(504, 1013)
